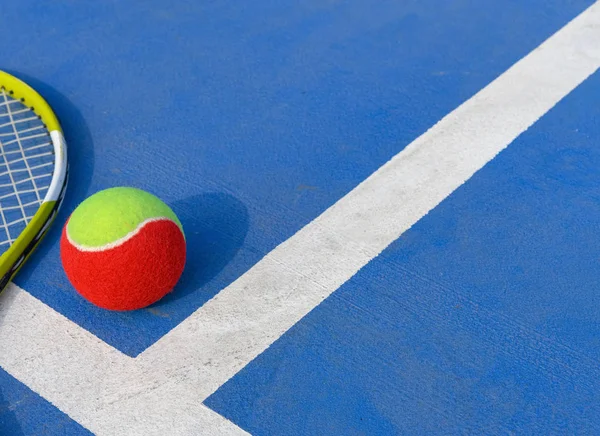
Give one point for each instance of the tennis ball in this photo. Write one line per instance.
(123, 249)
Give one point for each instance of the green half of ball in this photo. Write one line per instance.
(112, 214)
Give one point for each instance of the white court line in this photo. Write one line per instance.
(161, 391)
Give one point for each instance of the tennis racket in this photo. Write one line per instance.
(33, 172)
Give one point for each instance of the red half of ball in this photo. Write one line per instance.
(132, 275)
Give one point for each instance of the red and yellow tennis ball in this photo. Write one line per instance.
(123, 249)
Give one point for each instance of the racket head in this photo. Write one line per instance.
(33, 172)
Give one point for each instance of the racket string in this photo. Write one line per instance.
(33, 167)
(41, 135)
(4, 218)
(26, 167)
(22, 131)
(19, 121)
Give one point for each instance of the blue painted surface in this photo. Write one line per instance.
(23, 413)
(250, 119)
(484, 318)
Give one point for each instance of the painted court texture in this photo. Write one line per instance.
(391, 210)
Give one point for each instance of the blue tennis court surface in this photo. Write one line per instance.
(481, 319)
(252, 119)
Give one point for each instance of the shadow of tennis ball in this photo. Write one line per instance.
(215, 226)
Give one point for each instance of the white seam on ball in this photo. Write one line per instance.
(119, 241)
